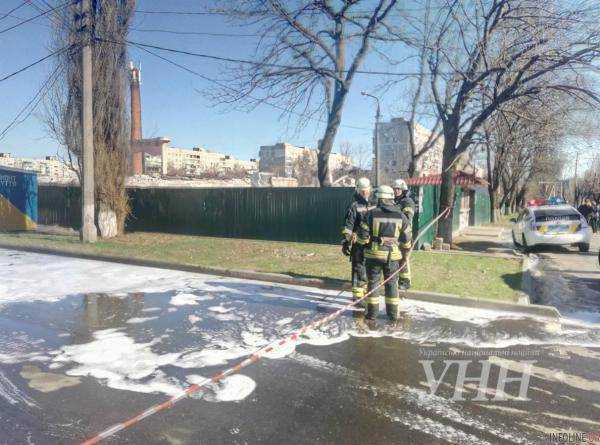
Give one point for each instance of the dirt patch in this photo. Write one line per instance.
(47, 381)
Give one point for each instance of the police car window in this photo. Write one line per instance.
(556, 214)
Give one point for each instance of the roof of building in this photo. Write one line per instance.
(17, 170)
(460, 178)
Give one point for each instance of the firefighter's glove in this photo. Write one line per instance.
(346, 247)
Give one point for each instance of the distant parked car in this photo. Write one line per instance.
(551, 225)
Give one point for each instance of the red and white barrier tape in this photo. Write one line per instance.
(253, 358)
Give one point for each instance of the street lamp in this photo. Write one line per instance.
(376, 140)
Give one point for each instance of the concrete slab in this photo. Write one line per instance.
(117, 338)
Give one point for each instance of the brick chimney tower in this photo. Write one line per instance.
(137, 161)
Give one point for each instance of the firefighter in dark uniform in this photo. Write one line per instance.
(355, 231)
(403, 199)
(388, 244)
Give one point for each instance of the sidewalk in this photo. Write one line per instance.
(490, 240)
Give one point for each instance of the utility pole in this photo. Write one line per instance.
(376, 139)
(575, 189)
(88, 233)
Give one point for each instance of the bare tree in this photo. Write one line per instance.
(501, 50)
(307, 56)
(361, 157)
(518, 138)
(111, 128)
(304, 169)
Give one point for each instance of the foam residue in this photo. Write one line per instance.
(211, 356)
(151, 309)
(220, 309)
(193, 319)
(118, 359)
(183, 299)
(231, 389)
(284, 321)
(226, 317)
(136, 320)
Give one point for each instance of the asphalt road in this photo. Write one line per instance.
(571, 280)
(85, 344)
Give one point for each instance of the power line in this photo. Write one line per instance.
(244, 61)
(281, 66)
(195, 33)
(222, 85)
(57, 18)
(181, 12)
(31, 23)
(7, 14)
(64, 5)
(37, 98)
(52, 54)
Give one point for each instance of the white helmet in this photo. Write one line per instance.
(384, 192)
(400, 184)
(363, 184)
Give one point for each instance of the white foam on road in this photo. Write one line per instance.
(211, 356)
(120, 361)
(220, 309)
(21, 273)
(183, 299)
(137, 320)
(231, 389)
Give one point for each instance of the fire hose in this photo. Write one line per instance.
(255, 356)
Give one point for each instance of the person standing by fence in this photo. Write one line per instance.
(355, 230)
(388, 244)
(403, 200)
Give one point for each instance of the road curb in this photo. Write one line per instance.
(330, 284)
(477, 303)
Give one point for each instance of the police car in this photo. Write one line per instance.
(551, 225)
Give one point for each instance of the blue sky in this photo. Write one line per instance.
(171, 102)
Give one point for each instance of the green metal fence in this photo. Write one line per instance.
(290, 214)
(428, 207)
(284, 214)
(59, 206)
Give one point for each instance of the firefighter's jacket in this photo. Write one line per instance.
(389, 233)
(355, 221)
(407, 204)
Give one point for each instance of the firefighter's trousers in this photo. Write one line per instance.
(359, 272)
(404, 275)
(375, 268)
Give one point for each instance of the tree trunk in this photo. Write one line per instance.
(492, 185)
(326, 144)
(447, 189)
(493, 213)
(413, 169)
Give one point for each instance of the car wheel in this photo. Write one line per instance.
(524, 244)
(584, 247)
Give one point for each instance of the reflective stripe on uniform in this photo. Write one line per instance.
(373, 299)
(358, 292)
(383, 255)
(392, 300)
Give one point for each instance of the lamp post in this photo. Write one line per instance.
(376, 139)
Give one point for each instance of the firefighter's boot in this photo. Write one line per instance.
(404, 284)
(392, 311)
(372, 310)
